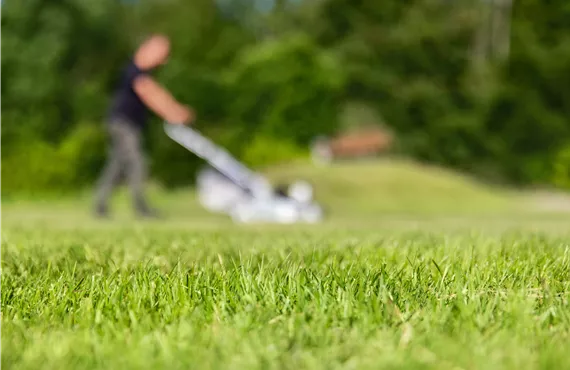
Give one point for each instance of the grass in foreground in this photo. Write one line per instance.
(148, 296)
(394, 280)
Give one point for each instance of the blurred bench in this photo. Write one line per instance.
(358, 144)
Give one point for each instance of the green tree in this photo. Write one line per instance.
(286, 88)
(58, 60)
(529, 115)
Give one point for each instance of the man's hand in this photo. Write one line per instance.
(185, 115)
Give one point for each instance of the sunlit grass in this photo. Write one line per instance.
(438, 272)
(147, 296)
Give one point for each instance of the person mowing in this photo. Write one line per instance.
(136, 93)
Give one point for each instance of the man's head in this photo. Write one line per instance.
(153, 52)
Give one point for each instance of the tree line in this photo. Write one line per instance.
(482, 87)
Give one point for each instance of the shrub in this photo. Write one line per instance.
(561, 168)
(265, 150)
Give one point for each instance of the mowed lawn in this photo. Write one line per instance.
(385, 291)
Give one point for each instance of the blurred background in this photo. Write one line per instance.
(479, 87)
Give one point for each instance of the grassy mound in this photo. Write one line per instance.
(364, 190)
(395, 186)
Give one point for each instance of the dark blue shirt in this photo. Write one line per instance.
(126, 104)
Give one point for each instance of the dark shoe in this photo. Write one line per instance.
(101, 212)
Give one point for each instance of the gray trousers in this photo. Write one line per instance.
(126, 160)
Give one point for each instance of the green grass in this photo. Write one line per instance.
(457, 287)
(147, 297)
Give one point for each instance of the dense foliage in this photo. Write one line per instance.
(265, 84)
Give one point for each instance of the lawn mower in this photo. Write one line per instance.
(229, 187)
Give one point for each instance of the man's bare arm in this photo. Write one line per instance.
(161, 101)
